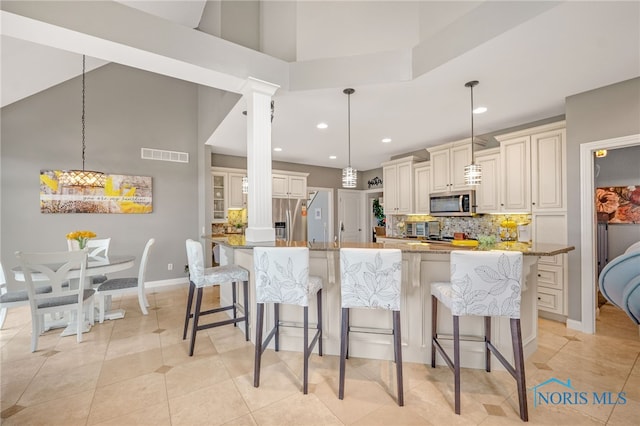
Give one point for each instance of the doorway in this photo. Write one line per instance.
(319, 214)
(350, 215)
(588, 227)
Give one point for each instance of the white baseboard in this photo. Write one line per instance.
(574, 324)
(175, 282)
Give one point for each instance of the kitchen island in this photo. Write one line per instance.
(422, 264)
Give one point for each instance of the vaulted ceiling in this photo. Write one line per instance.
(407, 61)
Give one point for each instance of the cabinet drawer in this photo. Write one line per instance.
(550, 300)
(558, 259)
(551, 277)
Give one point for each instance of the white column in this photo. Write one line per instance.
(258, 95)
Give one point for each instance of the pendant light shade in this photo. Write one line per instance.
(82, 178)
(349, 174)
(473, 171)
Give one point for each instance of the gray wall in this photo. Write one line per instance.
(621, 167)
(126, 109)
(608, 112)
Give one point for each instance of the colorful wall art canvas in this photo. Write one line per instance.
(620, 203)
(121, 194)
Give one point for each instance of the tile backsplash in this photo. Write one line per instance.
(487, 224)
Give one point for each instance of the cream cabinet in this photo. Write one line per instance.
(533, 163)
(289, 185)
(447, 165)
(422, 187)
(488, 192)
(237, 200)
(397, 176)
(552, 270)
(220, 190)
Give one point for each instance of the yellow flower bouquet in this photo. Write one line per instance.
(81, 237)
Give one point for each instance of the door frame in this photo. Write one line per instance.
(330, 213)
(587, 227)
(361, 219)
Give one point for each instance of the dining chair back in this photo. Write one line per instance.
(118, 286)
(54, 268)
(14, 298)
(97, 248)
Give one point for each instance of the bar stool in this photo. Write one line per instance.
(488, 284)
(282, 276)
(371, 278)
(199, 277)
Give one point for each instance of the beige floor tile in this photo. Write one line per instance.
(627, 414)
(122, 398)
(154, 415)
(429, 401)
(132, 344)
(11, 392)
(23, 369)
(130, 366)
(69, 410)
(297, 409)
(241, 361)
(213, 405)
(193, 376)
(276, 383)
(246, 420)
(393, 414)
(178, 353)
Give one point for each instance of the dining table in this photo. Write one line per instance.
(101, 265)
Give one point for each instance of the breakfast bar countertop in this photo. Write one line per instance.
(407, 246)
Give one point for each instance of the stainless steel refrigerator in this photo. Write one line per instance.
(290, 219)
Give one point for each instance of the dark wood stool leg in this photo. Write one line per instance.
(233, 301)
(518, 356)
(434, 329)
(348, 322)
(397, 337)
(456, 361)
(196, 317)
(192, 286)
(319, 297)
(487, 338)
(343, 350)
(305, 369)
(258, 357)
(245, 290)
(276, 316)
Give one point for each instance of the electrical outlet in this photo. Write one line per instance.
(170, 267)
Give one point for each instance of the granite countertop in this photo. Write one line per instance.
(535, 249)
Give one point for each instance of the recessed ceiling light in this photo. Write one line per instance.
(480, 110)
(277, 149)
(322, 125)
(332, 157)
(386, 140)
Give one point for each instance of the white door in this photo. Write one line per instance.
(350, 215)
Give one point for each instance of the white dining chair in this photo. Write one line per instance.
(118, 286)
(97, 248)
(54, 268)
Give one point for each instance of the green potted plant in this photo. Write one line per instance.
(378, 212)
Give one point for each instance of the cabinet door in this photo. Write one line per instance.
(390, 181)
(219, 186)
(488, 192)
(516, 171)
(405, 188)
(460, 157)
(236, 197)
(297, 187)
(279, 186)
(548, 171)
(422, 189)
(440, 170)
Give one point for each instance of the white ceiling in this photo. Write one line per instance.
(525, 70)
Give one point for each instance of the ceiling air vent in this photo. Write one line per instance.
(162, 155)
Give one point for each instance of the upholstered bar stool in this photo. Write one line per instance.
(282, 277)
(371, 278)
(199, 277)
(487, 284)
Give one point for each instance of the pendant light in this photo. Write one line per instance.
(473, 171)
(82, 178)
(349, 174)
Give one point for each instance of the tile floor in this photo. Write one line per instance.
(136, 371)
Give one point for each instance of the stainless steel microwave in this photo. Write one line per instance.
(461, 203)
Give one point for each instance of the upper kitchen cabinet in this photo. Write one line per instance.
(397, 176)
(422, 186)
(227, 192)
(488, 192)
(289, 185)
(533, 164)
(447, 166)
(219, 187)
(237, 200)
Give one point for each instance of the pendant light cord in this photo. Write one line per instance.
(349, 124)
(83, 93)
(472, 148)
